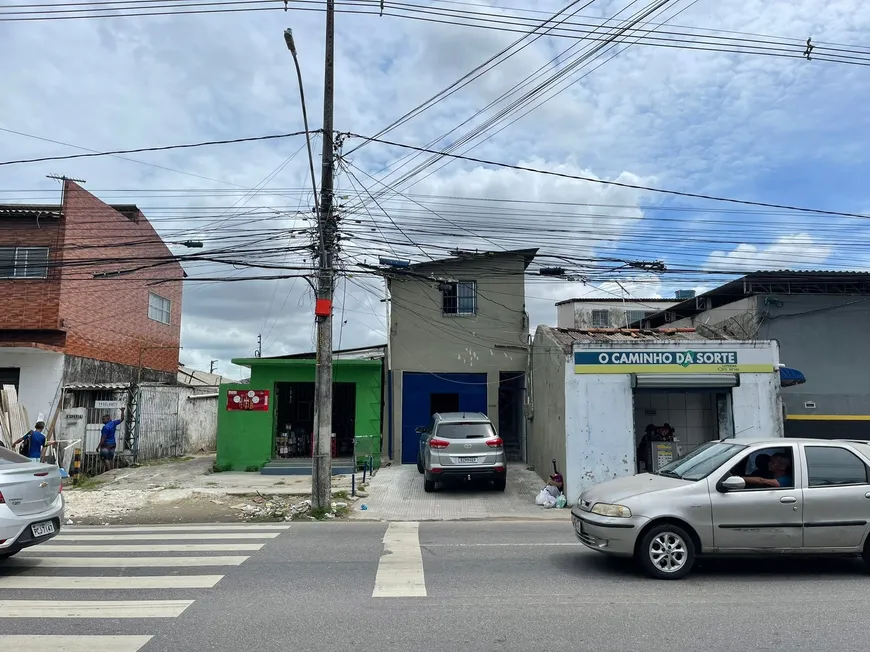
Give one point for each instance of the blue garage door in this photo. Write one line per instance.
(424, 394)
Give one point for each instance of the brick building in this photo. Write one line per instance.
(80, 301)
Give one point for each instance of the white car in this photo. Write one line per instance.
(31, 502)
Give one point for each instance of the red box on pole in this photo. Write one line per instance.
(323, 307)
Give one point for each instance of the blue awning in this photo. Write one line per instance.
(790, 377)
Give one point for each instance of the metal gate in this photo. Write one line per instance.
(157, 429)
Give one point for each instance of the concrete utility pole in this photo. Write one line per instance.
(321, 481)
(212, 365)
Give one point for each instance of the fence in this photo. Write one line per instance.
(174, 420)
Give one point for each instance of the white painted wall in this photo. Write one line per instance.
(41, 375)
(599, 415)
(578, 314)
(599, 430)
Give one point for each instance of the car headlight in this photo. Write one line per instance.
(616, 511)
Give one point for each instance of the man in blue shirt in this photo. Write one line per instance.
(108, 442)
(35, 442)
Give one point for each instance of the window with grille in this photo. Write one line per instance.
(600, 319)
(23, 262)
(159, 308)
(633, 316)
(459, 298)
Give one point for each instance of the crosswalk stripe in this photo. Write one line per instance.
(400, 570)
(177, 547)
(166, 537)
(121, 562)
(111, 583)
(177, 528)
(76, 643)
(92, 609)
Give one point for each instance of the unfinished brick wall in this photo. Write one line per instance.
(107, 319)
(27, 304)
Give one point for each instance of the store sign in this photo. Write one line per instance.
(671, 361)
(250, 400)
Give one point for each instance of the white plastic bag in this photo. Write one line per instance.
(549, 501)
(541, 498)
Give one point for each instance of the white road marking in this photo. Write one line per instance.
(166, 537)
(177, 547)
(92, 609)
(111, 583)
(121, 562)
(74, 643)
(400, 570)
(83, 529)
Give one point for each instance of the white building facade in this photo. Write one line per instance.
(614, 386)
(585, 313)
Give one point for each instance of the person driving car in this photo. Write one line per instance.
(780, 471)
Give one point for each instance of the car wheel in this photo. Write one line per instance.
(428, 485)
(666, 552)
(7, 555)
(420, 467)
(500, 483)
(866, 554)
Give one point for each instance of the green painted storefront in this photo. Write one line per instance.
(246, 439)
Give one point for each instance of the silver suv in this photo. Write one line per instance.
(461, 445)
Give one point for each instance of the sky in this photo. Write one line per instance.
(734, 123)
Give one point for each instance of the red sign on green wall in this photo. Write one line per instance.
(251, 400)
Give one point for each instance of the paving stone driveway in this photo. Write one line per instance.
(396, 494)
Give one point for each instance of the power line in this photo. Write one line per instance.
(619, 184)
(162, 148)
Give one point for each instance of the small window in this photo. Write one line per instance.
(159, 309)
(633, 316)
(23, 262)
(832, 465)
(460, 298)
(600, 319)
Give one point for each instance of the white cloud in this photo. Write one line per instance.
(710, 122)
(798, 251)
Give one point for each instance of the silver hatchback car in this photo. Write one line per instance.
(738, 497)
(461, 445)
(31, 502)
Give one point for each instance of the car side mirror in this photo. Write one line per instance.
(733, 483)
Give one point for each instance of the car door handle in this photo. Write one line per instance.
(788, 499)
(867, 495)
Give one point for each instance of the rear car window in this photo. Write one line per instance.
(11, 457)
(479, 430)
(832, 465)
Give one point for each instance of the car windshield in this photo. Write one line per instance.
(701, 462)
(472, 430)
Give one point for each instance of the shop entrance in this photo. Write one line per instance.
(294, 420)
(695, 417)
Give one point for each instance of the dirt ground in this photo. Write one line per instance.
(186, 491)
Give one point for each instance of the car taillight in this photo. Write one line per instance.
(438, 443)
(2, 499)
(498, 442)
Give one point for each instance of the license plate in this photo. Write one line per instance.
(41, 529)
(467, 460)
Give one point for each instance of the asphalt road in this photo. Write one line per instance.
(481, 587)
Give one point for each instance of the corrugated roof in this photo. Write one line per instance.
(97, 386)
(42, 211)
(618, 300)
(567, 337)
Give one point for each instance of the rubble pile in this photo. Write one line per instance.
(276, 507)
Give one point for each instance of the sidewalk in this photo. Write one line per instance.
(396, 494)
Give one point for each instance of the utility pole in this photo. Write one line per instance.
(321, 481)
(212, 365)
(259, 352)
